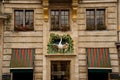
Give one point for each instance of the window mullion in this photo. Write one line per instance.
(95, 19)
(23, 17)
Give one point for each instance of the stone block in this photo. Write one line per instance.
(81, 10)
(38, 16)
(112, 21)
(6, 57)
(81, 27)
(23, 45)
(82, 63)
(113, 56)
(83, 75)
(82, 69)
(115, 69)
(23, 39)
(38, 57)
(38, 69)
(97, 38)
(96, 44)
(81, 51)
(39, 10)
(23, 34)
(38, 76)
(112, 15)
(38, 28)
(7, 51)
(5, 70)
(97, 33)
(112, 27)
(81, 16)
(38, 22)
(8, 10)
(81, 22)
(82, 57)
(111, 9)
(113, 50)
(38, 51)
(38, 63)
(114, 62)
(6, 63)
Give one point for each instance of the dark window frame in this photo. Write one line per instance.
(60, 27)
(25, 21)
(94, 19)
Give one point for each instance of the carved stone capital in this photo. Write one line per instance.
(45, 8)
(74, 13)
(74, 9)
(45, 13)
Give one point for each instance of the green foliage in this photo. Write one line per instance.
(56, 37)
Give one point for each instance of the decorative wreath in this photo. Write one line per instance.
(60, 44)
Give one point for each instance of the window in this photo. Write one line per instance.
(60, 70)
(24, 20)
(60, 20)
(95, 19)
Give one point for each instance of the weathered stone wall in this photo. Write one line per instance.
(39, 38)
(28, 39)
(97, 39)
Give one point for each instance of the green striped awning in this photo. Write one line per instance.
(22, 58)
(98, 57)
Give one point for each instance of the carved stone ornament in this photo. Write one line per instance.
(45, 5)
(74, 13)
(45, 13)
(74, 9)
(60, 44)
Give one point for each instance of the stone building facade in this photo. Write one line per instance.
(34, 33)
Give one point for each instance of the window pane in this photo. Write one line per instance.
(29, 19)
(54, 20)
(18, 18)
(64, 17)
(90, 19)
(62, 13)
(23, 20)
(52, 13)
(66, 13)
(100, 19)
(59, 19)
(100, 16)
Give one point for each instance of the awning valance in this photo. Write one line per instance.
(98, 58)
(22, 58)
